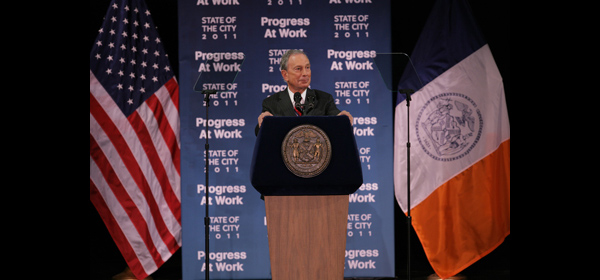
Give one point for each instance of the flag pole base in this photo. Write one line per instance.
(455, 277)
(128, 275)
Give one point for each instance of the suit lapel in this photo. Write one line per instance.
(285, 104)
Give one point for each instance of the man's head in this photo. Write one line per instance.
(295, 70)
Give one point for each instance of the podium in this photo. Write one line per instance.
(306, 179)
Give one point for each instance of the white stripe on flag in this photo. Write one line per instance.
(164, 97)
(159, 238)
(162, 148)
(134, 139)
(129, 135)
(131, 188)
(476, 77)
(122, 218)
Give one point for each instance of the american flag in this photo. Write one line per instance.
(134, 138)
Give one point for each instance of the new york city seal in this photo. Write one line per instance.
(306, 150)
(449, 126)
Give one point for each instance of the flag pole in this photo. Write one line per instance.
(207, 94)
(407, 92)
(408, 180)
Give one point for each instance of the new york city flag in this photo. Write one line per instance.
(460, 142)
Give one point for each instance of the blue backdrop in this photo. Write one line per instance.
(341, 37)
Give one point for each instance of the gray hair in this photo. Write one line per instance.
(286, 56)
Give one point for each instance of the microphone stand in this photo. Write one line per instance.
(207, 94)
(407, 92)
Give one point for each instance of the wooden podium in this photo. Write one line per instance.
(307, 236)
(306, 217)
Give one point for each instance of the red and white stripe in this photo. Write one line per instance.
(135, 174)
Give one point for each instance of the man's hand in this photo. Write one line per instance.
(346, 113)
(262, 116)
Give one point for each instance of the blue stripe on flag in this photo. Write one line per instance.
(449, 35)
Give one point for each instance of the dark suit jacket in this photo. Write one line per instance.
(318, 103)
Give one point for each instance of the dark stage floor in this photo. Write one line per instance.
(171, 270)
(106, 260)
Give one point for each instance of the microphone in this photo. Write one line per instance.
(407, 92)
(297, 98)
(311, 102)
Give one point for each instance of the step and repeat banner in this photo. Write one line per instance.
(341, 39)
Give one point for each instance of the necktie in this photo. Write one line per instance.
(298, 106)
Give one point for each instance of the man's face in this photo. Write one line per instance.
(297, 74)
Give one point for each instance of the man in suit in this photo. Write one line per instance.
(297, 98)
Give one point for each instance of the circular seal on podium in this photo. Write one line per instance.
(306, 150)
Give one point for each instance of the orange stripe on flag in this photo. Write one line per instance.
(467, 217)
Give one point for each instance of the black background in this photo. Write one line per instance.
(408, 18)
